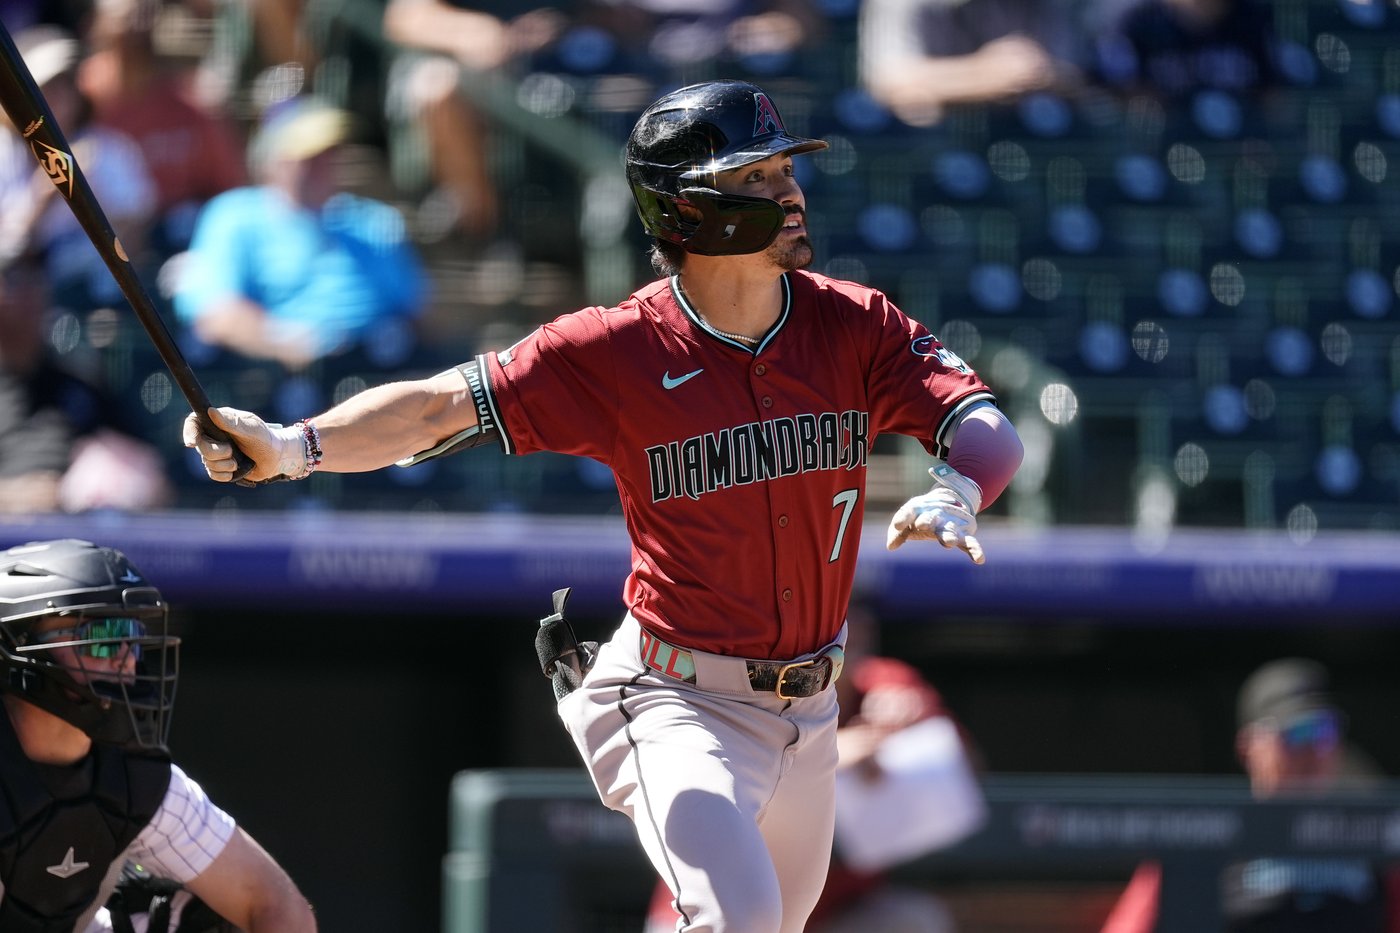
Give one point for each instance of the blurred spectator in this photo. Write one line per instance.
(918, 57)
(192, 154)
(279, 33)
(62, 441)
(32, 214)
(249, 38)
(1175, 47)
(293, 268)
(438, 40)
(1291, 742)
(880, 698)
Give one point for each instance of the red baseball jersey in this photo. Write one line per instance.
(741, 469)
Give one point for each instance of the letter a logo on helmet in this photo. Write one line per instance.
(765, 116)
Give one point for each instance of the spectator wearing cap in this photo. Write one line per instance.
(1290, 738)
(32, 215)
(293, 268)
(1291, 742)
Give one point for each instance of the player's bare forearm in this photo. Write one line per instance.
(245, 886)
(284, 918)
(384, 424)
(366, 432)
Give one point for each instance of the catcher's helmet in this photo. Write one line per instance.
(686, 138)
(114, 613)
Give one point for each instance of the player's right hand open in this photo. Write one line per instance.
(276, 452)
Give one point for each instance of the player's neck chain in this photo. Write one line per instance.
(685, 299)
(751, 341)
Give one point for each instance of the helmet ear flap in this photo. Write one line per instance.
(661, 215)
(726, 225)
(731, 224)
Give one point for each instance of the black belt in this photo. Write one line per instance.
(796, 678)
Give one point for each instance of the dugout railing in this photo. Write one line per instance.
(534, 850)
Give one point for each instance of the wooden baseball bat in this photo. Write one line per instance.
(29, 112)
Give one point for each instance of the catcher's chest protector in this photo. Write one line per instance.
(61, 828)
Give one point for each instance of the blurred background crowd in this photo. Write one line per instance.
(1164, 230)
(1167, 233)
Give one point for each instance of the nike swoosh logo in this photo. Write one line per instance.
(67, 868)
(668, 383)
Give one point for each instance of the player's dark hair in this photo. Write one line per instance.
(666, 258)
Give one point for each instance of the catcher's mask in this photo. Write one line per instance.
(84, 636)
(685, 139)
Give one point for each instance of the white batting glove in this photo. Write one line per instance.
(277, 452)
(947, 513)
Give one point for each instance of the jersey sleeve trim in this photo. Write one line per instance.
(940, 436)
(488, 398)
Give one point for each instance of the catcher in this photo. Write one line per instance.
(90, 796)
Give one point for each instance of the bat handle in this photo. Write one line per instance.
(243, 462)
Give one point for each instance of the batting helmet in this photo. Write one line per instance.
(686, 138)
(113, 612)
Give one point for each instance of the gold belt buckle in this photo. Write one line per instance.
(783, 672)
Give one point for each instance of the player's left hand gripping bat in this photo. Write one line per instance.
(22, 100)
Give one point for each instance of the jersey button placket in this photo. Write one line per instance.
(782, 519)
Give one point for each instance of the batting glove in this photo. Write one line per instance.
(947, 513)
(277, 452)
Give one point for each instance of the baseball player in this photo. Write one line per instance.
(88, 794)
(736, 400)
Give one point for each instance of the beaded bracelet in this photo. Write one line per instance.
(312, 439)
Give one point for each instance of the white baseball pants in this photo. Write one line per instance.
(732, 792)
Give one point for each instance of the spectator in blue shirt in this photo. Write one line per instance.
(295, 269)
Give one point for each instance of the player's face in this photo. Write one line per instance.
(310, 181)
(111, 658)
(773, 179)
(1298, 757)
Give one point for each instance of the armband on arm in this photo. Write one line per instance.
(485, 431)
